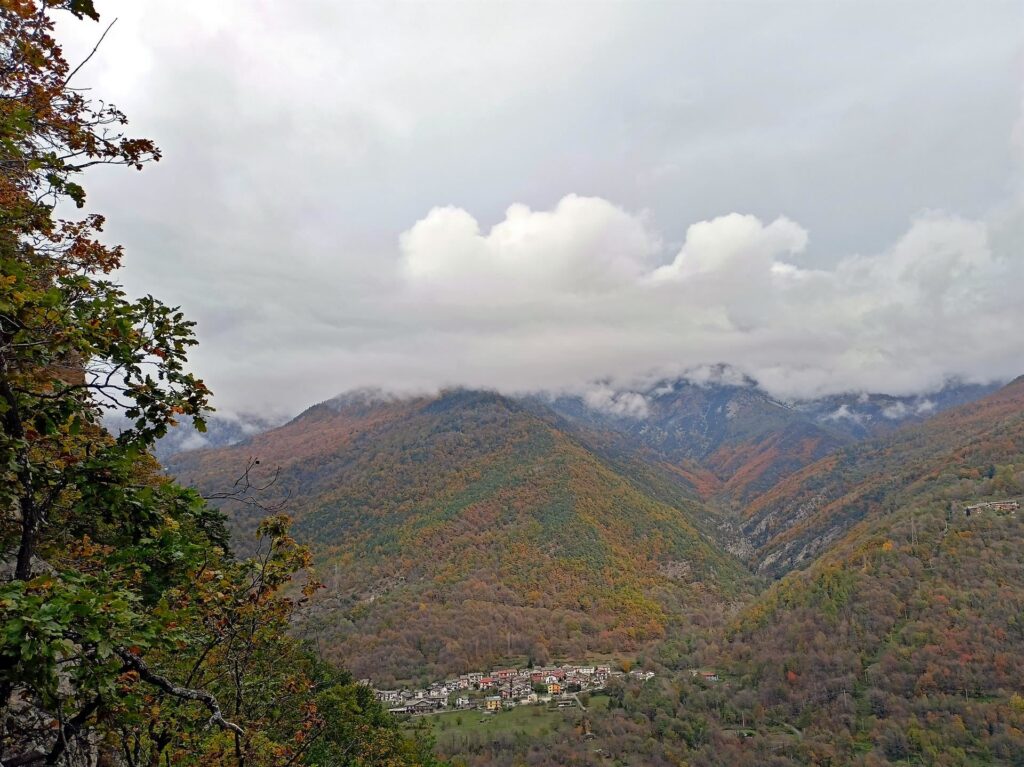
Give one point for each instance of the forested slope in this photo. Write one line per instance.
(453, 531)
(802, 515)
(901, 643)
(718, 440)
(904, 640)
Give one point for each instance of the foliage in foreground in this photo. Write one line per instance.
(130, 635)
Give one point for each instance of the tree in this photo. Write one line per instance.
(128, 628)
(91, 536)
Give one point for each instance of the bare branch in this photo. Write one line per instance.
(135, 663)
(245, 491)
(91, 54)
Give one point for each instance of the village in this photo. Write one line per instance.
(506, 688)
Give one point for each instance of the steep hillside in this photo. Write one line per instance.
(901, 643)
(456, 530)
(726, 439)
(805, 513)
(720, 440)
(904, 642)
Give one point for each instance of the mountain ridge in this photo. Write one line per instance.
(434, 520)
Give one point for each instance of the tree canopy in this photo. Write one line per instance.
(130, 633)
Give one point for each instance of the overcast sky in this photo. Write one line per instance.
(541, 195)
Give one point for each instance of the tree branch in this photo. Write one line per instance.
(135, 663)
(91, 54)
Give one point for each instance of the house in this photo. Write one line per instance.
(493, 703)
(462, 702)
(507, 673)
(554, 688)
(706, 674)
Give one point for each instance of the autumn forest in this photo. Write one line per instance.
(695, 570)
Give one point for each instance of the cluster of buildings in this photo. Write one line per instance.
(504, 688)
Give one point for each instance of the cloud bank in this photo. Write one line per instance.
(578, 292)
(379, 194)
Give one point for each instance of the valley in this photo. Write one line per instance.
(830, 580)
(511, 384)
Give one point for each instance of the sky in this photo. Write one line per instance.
(567, 195)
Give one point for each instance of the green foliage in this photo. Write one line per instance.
(455, 531)
(129, 631)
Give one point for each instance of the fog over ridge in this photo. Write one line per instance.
(541, 196)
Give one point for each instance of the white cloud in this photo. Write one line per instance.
(735, 242)
(576, 293)
(299, 146)
(194, 441)
(584, 245)
(897, 411)
(843, 413)
(626, 404)
(717, 375)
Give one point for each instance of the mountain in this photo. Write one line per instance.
(725, 438)
(455, 530)
(802, 515)
(902, 640)
(221, 430)
(862, 415)
(466, 529)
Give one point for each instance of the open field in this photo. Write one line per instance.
(528, 721)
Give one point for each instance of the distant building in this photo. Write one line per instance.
(422, 706)
(1000, 506)
(554, 688)
(493, 703)
(706, 675)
